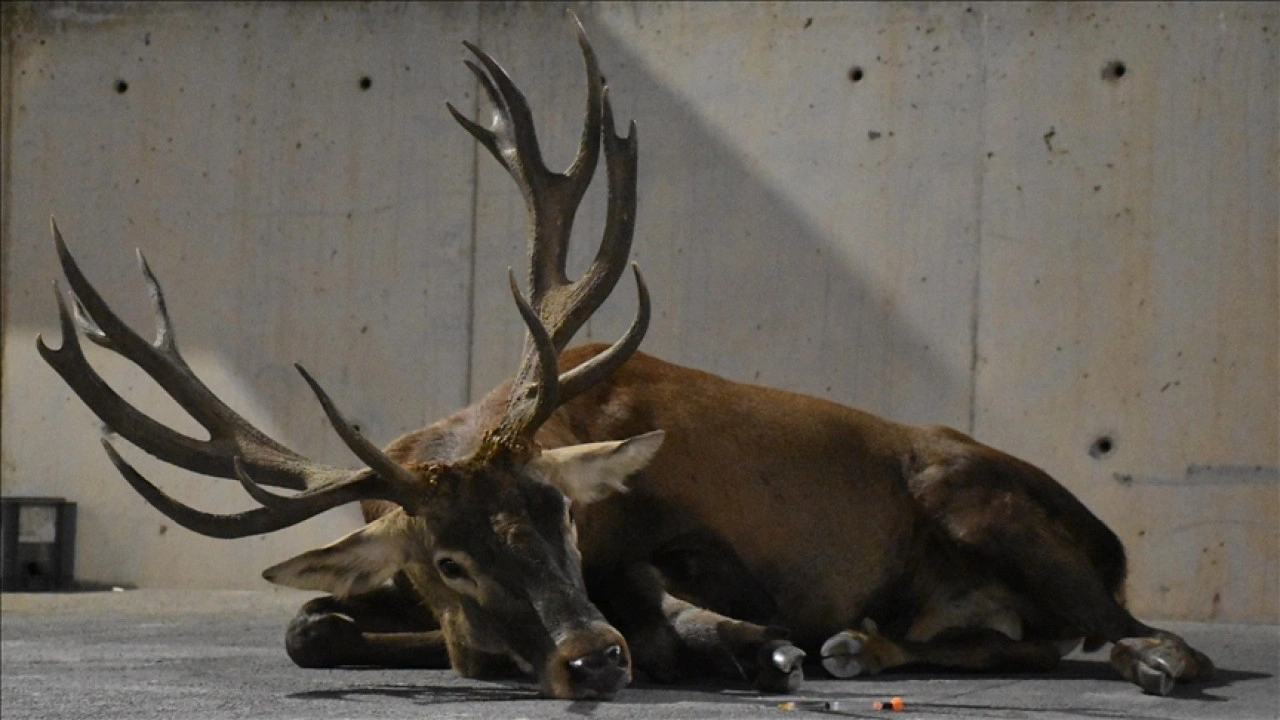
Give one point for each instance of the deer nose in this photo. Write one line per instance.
(599, 673)
(590, 662)
(609, 658)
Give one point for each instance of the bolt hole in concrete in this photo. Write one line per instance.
(1102, 447)
(1114, 70)
(122, 87)
(855, 74)
(366, 82)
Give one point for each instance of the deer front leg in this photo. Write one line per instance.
(853, 653)
(384, 628)
(672, 639)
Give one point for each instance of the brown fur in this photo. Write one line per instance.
(831, 509)
(788, 511)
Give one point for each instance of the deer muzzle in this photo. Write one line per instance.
(589, 663)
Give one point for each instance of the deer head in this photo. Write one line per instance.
(486, 538)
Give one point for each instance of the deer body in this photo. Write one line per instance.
(828, 512)
(604, 510)
(732, 455)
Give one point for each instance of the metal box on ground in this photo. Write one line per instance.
(37, 544)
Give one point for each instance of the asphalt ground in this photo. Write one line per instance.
(219, 655)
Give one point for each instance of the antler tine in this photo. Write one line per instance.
(535, 391)
(235, 448)
(551, 198)
(230, 434)
(367, 484)
(286, 512)
(532, 401)
(487, 137)
(69, 362)
(602, 366)
(401, 482)
(164, 341)
(560, 307)
(569, 307)
(165, 338)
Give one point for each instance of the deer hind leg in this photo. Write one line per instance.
(384, 628)
(1065, 564)
(672, 639)
(1045, 566)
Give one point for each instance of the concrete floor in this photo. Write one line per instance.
(199, 654)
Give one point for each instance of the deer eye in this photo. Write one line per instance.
(450, 569)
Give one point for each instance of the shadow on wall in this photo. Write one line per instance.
(745, 282)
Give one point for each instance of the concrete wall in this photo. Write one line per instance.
(990, 228)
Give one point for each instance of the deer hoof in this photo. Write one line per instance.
(842, 655)
(1156, 680)
(1156, 664)
(316, 640)
(853, 652)
(781, 667)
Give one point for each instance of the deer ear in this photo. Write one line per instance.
(353, 564)
(591, 471)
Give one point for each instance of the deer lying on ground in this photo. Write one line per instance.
(605, 510)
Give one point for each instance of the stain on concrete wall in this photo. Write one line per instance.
(1052, 225)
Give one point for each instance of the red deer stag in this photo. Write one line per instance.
(549, 529)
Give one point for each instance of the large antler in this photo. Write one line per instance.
(558, 308)
(235, 449)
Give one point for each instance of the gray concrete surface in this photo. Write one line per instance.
(199, 654)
